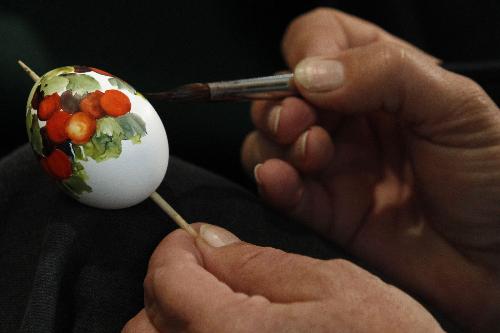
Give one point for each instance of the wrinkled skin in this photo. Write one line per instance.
(399, 164)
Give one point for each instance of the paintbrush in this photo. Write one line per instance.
(267, 87)
(282, 85)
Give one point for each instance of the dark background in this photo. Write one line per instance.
(158, 45)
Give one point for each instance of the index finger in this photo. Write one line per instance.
(327, 32)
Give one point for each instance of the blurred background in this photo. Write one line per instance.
(156, 45)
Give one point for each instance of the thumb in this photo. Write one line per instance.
(384, 76)
(279, 276)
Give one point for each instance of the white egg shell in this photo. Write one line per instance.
(132, 177)
(115, 180)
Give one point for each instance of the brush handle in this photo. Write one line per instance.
(267, 87)
(282, 85)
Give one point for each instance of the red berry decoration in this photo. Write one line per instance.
(80, 127)
(58, 164)
(48, 106)
(56, 126)
(115, 103)
(91, 104)
(45, 166)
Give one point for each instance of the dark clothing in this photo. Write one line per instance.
(66, 267)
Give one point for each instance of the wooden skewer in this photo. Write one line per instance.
(178, 219)
(28, 70)
(173, 214)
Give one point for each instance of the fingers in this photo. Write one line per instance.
(284, 122)
(140, 324)
(306, 200)
(327, 32)
(384, 76)
(316, 295)
(278, 276)
(203, 285)
(280, 184)
(310, 153)
(180, 294)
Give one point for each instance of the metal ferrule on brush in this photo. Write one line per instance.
(268, 87)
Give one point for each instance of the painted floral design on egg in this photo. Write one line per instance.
(77, 114)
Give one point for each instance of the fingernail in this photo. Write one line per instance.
(256, 173)
(274, 118)
(216, 236)
(319, 74)
(303, 144)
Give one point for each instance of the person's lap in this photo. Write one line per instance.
(66, 266)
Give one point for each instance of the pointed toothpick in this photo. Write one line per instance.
(28, 70)
(173, 214)
(178, 219)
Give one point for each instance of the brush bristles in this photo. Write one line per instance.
(186, 93)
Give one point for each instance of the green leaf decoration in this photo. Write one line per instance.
(79, 170)
(133, 127)
(81, 83)
(108, 126)
(103, 148)
(78, 153)
(76, 184)
(29, 122)
(120, 84)
(58, 71)
(106, 142)
(54, 84)
(36, 137)
(66, 188)
(30, 97)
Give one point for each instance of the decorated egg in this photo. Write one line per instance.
(99, 138)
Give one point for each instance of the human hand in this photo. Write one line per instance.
(232, 286)
(390, 156)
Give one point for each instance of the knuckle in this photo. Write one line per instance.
(315, 15)
(353, 274)
(154, 279)
(304, 21)
(467, 101)
(393, 64)
(258, 302)
(393, 58)
(473, 95)
(149, 284)
(167, 314)
(340, 277)
(342, 267)
(255, 256)
(250, 152)
(321, 12)
(341, 264)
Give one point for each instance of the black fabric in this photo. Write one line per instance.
(66, 267)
